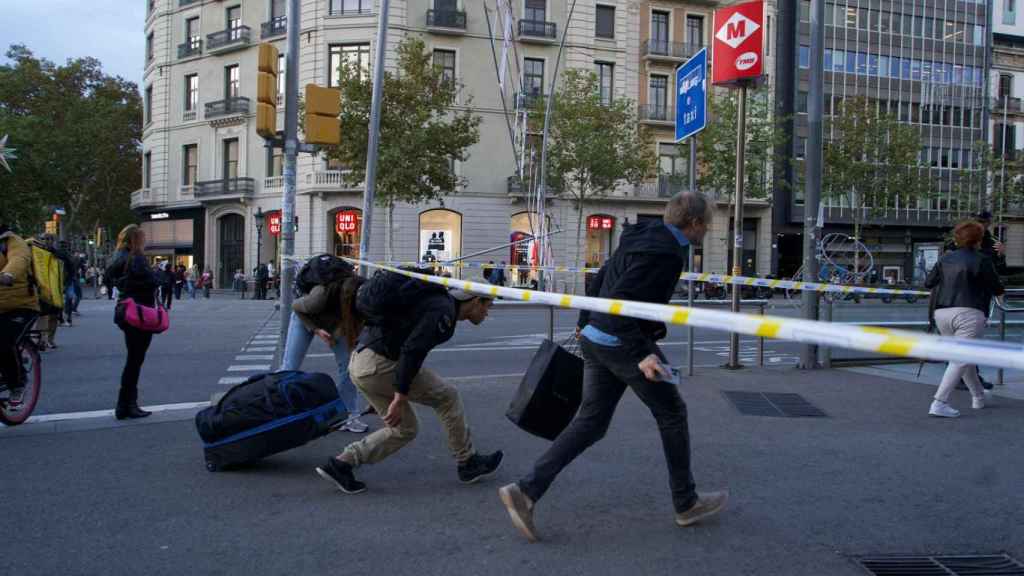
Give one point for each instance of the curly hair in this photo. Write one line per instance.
(968, 234)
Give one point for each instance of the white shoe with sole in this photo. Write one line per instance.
(943, 410)
(977, 402)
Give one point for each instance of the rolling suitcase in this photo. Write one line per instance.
(267, 414)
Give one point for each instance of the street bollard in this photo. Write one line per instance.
(1002, 336)
(760, 342)
(826, 351)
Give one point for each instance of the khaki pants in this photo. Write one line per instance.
(962, 323)
(374, 376)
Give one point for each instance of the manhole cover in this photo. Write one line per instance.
(779, 404)
(982, 565)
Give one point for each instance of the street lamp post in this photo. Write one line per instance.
(259, 239)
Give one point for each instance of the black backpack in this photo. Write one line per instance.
(322, 270)
(388, 294)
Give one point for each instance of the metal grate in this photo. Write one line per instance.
(779, 404)
(982, 565)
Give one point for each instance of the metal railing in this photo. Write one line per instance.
(273, 183)
(1010, 104)
(193, 47)
(665, 49)
(277, 26)
(338, 9)
(650, 113)
(186, 193)
(446, 19)
(225, 187)
(665, 186)
(227, 107)
(229, 38)
(148, 197)
(187, 2)
(188, 115)
(538, 29)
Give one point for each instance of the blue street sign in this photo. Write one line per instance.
(691, 95)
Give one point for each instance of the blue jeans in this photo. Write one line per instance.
(299, 339)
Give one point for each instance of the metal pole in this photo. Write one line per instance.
(826, 352)
(291, 151)
(374, 141)
(1002, 335)
(737, 242)
(760, 341)
(496, 248)
(689, 265)
(813, 164)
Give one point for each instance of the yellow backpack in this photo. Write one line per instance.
(47, 276)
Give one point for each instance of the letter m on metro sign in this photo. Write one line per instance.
(738, 47)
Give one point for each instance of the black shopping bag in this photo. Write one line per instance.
(550, 393)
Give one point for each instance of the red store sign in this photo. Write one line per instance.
(347, 221)
(600, 223)
(274, 223)
(738, 46)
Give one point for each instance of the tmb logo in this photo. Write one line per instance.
(736, 30)
(746, 61)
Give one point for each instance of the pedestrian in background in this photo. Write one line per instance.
(133, 277)
(207, 281)
(170, 285)
(963, 283)
(178, 274)
(191, 277)
(261, 282)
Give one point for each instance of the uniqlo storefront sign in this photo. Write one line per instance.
(738, 45)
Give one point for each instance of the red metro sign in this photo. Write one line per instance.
(738, 47)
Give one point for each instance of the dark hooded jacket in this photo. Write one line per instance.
(645, 268)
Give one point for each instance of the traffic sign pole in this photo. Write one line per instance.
(737, 227)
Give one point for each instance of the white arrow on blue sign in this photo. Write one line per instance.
(691, 95)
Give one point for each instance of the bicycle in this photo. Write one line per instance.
(14, 411)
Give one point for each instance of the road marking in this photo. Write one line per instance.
(232, 380)
(249, 368)
(259, 349)
(104, 413)
(255, 357)
(267, 337)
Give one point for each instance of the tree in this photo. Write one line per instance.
(717, 145)
(871, 162)
(78, 133)
(421, 133)
(593, 146)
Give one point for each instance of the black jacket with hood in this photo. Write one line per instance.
(645, 268)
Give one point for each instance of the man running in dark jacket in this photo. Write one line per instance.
(620, 352)
(387, 367)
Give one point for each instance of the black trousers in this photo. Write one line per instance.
(12, 325)
(167, 295)
(607, 373)
(137, 343)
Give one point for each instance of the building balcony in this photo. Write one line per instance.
(194, 47)
(227, 107)
(332, 181)
(667, 51)
(537, 31)
(278, 26)
(186, 193)
(666, 186)
(228, 40)
(145, 197)
(1011, 105)
(450, 21)
(224, 189)
(656, 115)
(273, 184)
(182, 3)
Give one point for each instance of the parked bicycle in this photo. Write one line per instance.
(16, 407)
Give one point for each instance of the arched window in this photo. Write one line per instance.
(600, 228)
(346, 227)
(440, 235)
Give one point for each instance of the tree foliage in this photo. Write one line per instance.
(78, 135)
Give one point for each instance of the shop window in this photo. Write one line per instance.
(440, 235)
(347, 227)
(600, 229)
(525, 228)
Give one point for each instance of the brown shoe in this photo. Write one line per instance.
(708, 504)
(520, 508)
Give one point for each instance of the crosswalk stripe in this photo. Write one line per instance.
(248, 367)
(232, 380)
(259, 349)
(255, 357)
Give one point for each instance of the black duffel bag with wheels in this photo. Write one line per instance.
(551, 390)
(267, 414)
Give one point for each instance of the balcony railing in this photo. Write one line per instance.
(227, 107)
(338, 9)
(193, 47)
(273, 183)
(668, 50)
(277, 26)
(186, 193)
(666, 186)
(446, 19)
(188, 115)
(148, 197)
(651, 113)
(537, 29)
(187, 2)
(1010, 104)
(225, 187)
(229, 39)
(333, 180)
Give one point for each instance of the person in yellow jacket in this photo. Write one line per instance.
(19, 305)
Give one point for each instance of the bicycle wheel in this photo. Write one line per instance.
(14, 414)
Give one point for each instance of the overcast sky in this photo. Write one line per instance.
(109, 30)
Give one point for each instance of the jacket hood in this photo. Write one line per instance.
(651, 236)
(7, 235)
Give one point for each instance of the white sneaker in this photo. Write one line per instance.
(354, 425)
(977, 402)
(943, 410)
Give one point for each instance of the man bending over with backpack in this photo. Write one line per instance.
(405, 319)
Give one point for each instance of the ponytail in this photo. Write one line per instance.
(351, 319)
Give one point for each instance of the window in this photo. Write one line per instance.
(275, 162)
(605, 81)
(191, 92)
(830, 15)
(805, 56)
(445, 61)
(351, 6)
(695, 31)
(605, 22)
(1010, 12)
(672, 170)
(599, 239)
(1005, 86)
(189, 164)
(440, 235)
(657, 97)
(801, 102)
(147, 167)
(233, 19)
(535, 11)
(281, 74)
(805, 10)
(979, 35)
(884, 24)
(801, 147)
(192, 33)
(851, 17)
(231, 81)
(277, 9)
(231, 158)
(149, 48)
(533, 76)
(355, 54)
(768, 34)
(149, 104)
(659, 31)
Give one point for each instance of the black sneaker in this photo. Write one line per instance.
(341, 474)
(479, 467)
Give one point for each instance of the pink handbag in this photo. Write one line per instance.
(144, 318)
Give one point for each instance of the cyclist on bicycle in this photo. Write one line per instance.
(19, 306)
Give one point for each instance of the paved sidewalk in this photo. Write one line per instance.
(875, 476)
(931, 374)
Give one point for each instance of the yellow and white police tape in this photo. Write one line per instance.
(864, 338)
(696, 277)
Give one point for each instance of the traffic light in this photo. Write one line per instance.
(323, 105)
(266, 92)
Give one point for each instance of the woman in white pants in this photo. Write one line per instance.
(963, 283)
